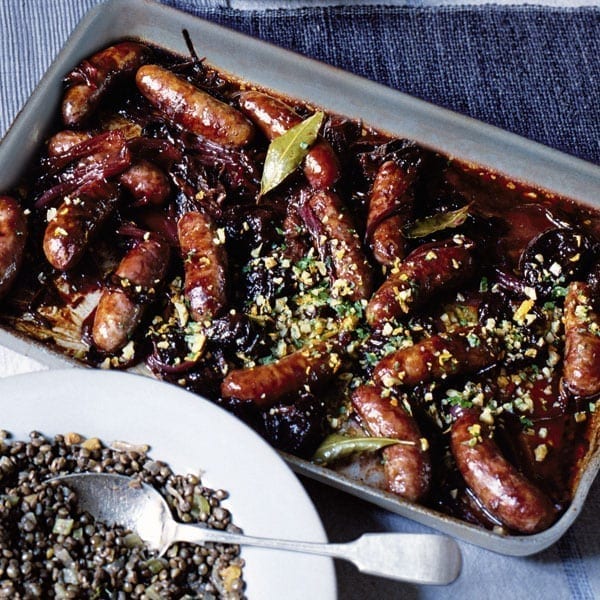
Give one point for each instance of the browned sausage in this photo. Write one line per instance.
(69, 232)
(407, 467)
(266, 385)
(146, 183)
(63, 141)
(273, 117)
(498, 485)
(336, 238)
(465, 350)
(100, 157)
(94, 77)
(581, 370)
(204, 264)
(118, 313)
(321, 166)
(192, 108)
(426, 270)
(13, 235)
(390, 205)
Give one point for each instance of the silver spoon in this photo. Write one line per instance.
(119, 500)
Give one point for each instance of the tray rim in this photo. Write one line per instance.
(569, 176)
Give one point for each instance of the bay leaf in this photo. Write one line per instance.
(448, 220)
(337, 446)
(286, 152)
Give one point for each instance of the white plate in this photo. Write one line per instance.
(192, 435)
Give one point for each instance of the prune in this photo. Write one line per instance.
(593, 279)
(494, 306)
(248, 226)
(341, 133)
(234, 333)
(556, 256)
(296, 428)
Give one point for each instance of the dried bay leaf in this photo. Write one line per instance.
(287, 151)
(429, 225)
(336, 446)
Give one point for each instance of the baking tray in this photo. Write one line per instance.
(338, 92)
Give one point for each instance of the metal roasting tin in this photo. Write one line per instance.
(335, 91)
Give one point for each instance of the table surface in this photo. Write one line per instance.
(32, 33)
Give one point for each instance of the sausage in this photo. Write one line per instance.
(581, 369)
(297, 243)
(63, 141)
(118, 313)
(465, 350)
(85, 163)
(76, 220)
(336, 238)
(204, 263)
(193, 109)
(407, 468)
(428, 269)
(321, 166)
(390, 205)
(387, 242)
(497, 484)
(146, 183)
(273, 117)
(13, 235)
(266, 385)
(92, 78)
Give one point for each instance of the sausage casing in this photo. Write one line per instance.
(407, 467)
(118, 312)
(193, 109)
(335, 236)
(266, 385)
(274, 117)
(204, 263)
(63, 141)
(426, 270)
(581, 373)
(390, 206)
(498, 485)
(13, 235)
(94, 77)
(69, 232)
(146, 183)
(466, 350)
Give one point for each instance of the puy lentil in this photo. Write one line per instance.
(80, 558)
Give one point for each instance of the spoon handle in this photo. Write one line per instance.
(418, 558)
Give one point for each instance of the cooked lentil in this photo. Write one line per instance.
(49, 549)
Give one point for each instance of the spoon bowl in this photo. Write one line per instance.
(118, 500)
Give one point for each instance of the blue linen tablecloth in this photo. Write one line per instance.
(533, 70)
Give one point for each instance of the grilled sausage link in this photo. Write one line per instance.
(69, 232)
(498, 485)
(146, 183)
(581, 370)
(13, 235)
(63, 141)
(273, 117)
(266, 385)
(426, 270)
(464, 350)
(94, 77)
(335, 236)
(390, 205)
(205, 265)
(118, 313)
(407, 467)
(192, 108)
